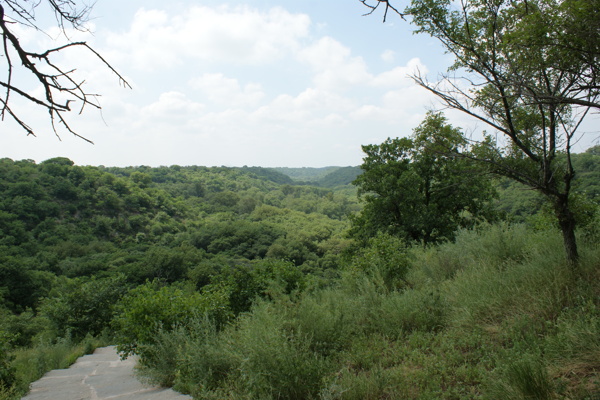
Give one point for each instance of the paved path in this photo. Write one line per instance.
(99, 376)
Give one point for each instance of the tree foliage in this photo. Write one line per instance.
(414, 189)
(528, 69)
(78, 307)
(175, 242)
(150, 307)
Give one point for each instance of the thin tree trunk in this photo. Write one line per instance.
(566, 221)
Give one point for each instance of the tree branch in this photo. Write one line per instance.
(61, 81)
(388, 7)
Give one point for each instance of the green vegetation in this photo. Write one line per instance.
(75, 240)
(236, 283)
(256, 283)
(529, 71)
(327, 177)
(495, 315)
(414, 190)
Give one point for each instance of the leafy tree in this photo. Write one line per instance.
(21, 286)
(79, 307)
(414, 191)
(166, 264)
(520, 67)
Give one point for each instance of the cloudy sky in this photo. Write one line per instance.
(298, 83)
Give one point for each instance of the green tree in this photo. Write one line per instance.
(77, 307)
(413, 190)
(529, 70)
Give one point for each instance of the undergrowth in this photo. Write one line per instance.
(498, 314)
(31, 363)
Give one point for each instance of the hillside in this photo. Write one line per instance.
(305, 174)
(329, 177)
(210, 264)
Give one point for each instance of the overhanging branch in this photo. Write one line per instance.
(60, 80)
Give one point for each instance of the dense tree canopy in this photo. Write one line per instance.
(414, 190)
(165, 223)
(145, 252)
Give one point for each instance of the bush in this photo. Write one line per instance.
(385, 261)
(78, 307)
(410, 311)
(7, 371)
(526, 379)
(32, 363)
(187, 357)
(468, 320)
(329, 319)
(276, 363)
(148, 308)
(247, 281)
(190, 358)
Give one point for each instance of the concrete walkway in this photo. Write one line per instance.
(99, 376)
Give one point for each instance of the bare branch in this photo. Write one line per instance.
(388, 6)
(59, 80)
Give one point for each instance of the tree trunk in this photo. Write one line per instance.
(566, 221)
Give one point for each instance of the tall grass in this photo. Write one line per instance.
(524, 380)
(33, 362)
(496, 315)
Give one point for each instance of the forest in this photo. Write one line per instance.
(451, 264)
(273, 283)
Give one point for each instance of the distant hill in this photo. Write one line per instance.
(325, 177)
(270, 174)
(305, 174)
(587, 172)
(340, 177)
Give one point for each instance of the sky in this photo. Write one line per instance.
(298, 83)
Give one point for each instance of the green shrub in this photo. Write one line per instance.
(7, 371)
(385, 261)
(276, 363)
(410, 311)
(460, 325)
(78, 307)
(328, 319)
(150, 307)
(21, 329)
(375, 383)
(537, 287)
(574, 350)
(191, 358)
(32, 363)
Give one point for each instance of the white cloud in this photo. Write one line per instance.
(228, 92)
(388, 56)
(334, 66)
(236, 85)
(400, 76)
(308, 107)
(239, 35)
(173, 111)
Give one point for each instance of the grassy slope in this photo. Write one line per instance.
(497, 315)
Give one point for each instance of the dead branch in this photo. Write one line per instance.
(388, 6)
(54, 79)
